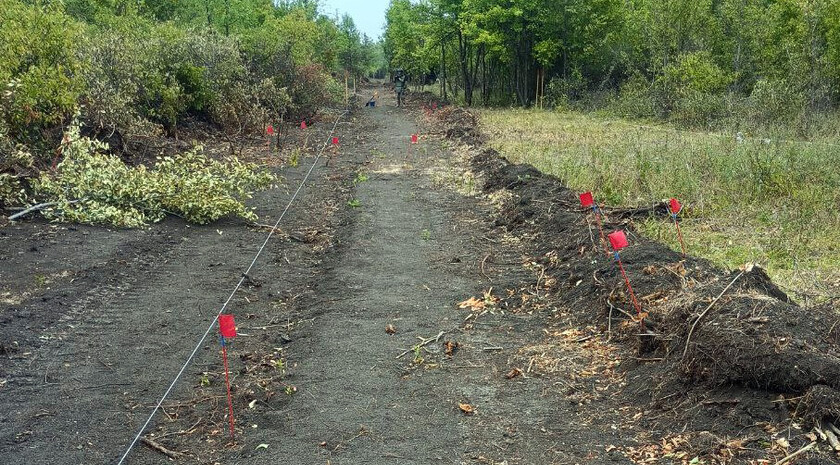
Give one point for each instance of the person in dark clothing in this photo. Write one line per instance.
(400, 83)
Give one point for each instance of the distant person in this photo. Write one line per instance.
(400, 82)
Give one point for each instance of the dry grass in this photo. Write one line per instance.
(764, 200)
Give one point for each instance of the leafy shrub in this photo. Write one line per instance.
(691, 90)
(560, 93)
(39, 68)
(774, 100)
(92, 187)
(634, 98)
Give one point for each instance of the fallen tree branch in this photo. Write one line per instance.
(796, 454)
(832, 438)
(39, 207)
(159, 448)
(423, 343)
(658, 209)
(691, 331)
(31, 209)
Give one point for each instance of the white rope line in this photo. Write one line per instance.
(230, 297)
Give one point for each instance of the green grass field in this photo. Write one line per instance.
(773, 202)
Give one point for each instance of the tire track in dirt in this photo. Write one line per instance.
(358, 403)
(85, 374)
(405, 256)
(415, 248)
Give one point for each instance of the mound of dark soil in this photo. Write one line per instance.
(706, 328)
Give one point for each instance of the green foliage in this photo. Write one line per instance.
(694, 62)
(136, 68)
(139, 70)
(39, 68)
(92, 187)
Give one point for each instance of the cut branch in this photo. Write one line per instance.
(159, 448)
(691, 331)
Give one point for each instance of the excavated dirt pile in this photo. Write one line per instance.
(705, 328)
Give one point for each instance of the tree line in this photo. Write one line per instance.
(693, 61)
(142, 67)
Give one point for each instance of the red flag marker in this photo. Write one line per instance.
(588, 201)
(619, 241)
(227, 328)
(675, 205)
(676, 208)
(269, 130)
(412, 141)
(434, 105)
(303, 124)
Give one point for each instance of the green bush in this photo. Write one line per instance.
(634, 99)
(39, 69)
(691, 91)
(562, 93)
(774, 100)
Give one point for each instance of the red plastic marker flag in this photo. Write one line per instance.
(434, 106)
(269, 130)
(335, 140)
(675, 205)
(414, 138)
(303, 124)
(586, 199)
(227, 326)
(618, 240)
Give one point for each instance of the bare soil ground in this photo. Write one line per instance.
(422, 304)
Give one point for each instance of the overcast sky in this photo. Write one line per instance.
(369, 15)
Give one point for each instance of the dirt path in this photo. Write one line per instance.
(96, 323)
(414, 248)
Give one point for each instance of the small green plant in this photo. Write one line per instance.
(418, 355)
(378, 153)
(360, 178)
(294, 158)
(355, 203)
(204, 380)
(40, 280)
(425, 234)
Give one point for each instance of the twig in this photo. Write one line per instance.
(619, 309)
(422, 343)
(542, 274)
(609, 324)
(691, 331)
(163, 450)
(482, 267)
(832, 438)
(190, 430)
(796, 454)
(832, 427)
(493, 348)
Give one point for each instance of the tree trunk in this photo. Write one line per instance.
(465, 71)
(443, 68)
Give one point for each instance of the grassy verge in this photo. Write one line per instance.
(764, 200)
